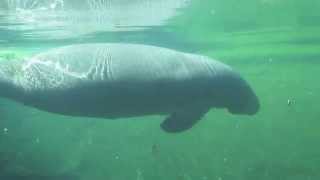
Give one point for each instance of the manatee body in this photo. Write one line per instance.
(114, 80)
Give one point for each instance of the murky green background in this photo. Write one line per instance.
(276, 47)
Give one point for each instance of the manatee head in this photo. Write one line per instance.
(235, 94)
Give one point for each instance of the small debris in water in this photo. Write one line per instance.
(155, 149)
(225, 160)
(5, 130)
(291, 102)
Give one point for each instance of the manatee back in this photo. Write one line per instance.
(122, 63)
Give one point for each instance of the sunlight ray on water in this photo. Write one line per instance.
(57, 19)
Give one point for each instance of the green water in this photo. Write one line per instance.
(275, 45)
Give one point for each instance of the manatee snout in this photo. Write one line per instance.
(251, 107)
(246, 102)
(237, 96)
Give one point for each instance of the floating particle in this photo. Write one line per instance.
(5, 130)
(291, 102)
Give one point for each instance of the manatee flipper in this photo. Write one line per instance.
(184, 119)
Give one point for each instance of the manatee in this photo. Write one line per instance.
(119, 80)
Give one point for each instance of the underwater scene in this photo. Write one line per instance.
(159, 90)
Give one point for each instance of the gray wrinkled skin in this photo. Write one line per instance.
(124, 80)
